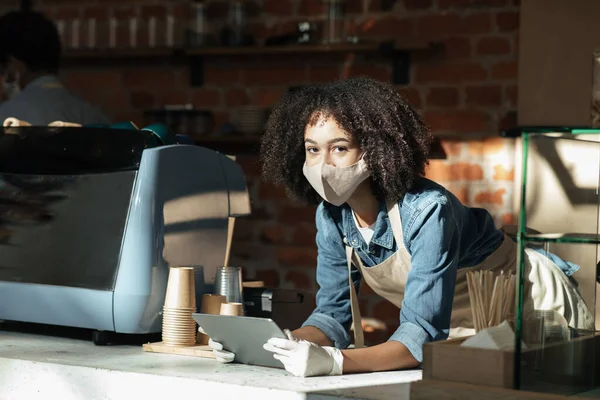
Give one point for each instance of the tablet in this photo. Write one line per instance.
(244, 336)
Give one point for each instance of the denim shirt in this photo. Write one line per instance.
(441, 235)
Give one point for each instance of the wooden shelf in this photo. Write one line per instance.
(118, 53)
(397, 51)
(370, 47)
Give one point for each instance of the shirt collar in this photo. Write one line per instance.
(382, 234)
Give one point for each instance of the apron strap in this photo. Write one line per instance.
(359, 340)
(396, 222)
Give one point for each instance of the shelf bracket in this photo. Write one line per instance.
(400, 62)
(196, 66)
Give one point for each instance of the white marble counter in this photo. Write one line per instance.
(36, 366)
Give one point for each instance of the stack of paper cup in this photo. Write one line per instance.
(178, 326)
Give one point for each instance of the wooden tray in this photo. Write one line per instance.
(202, 351)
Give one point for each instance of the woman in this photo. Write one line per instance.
(359, 150)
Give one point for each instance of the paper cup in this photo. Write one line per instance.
(181, 290)
(232, 309)
(211, 304)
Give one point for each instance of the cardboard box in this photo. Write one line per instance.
(572, 365)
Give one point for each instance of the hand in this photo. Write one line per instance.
(303, 358)
(221, 355)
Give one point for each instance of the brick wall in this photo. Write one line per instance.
(468, 89)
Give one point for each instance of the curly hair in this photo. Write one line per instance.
(393, 136)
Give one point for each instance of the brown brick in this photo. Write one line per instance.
(477, 23)
(507, 21)
(269, 276)
(206, 98)
(300, 280)
(67, 14)
(489, 95)
(501, 174)
(278, 8)
(244, 230)
(412, 95)
(236, 97)
(451, 72)
(274, 234)
(438, 170)
(442, 97)
(266, 96)
(310, 8)
(388, 27)
(457, 121)
(148, 77)
(273, 75)
(304, 235)
(124, 13)
(505, 70)
(100, 79)
(507, 121)
(221, 74)
(269, 191)
(115, 101)
(298, 214)
(142, 100)
(417, 4)
(487, 146)
(376, 71)
(461, 191)
(488, 46)
(171, 97)
(510, 95)
(438, 25)
(250, 165)
(297, 256)
(154, 10)
(97, 12)
(444, 171)
(324, 73)
(444, 4)
(491, 197)
(387, 312)
(355, 6)
(508, 219)
(457, 47)
(453, 147)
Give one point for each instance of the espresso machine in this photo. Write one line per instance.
(91, 219)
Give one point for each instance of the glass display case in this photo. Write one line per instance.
(557, 345)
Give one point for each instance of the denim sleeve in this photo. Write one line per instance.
(333, 315)
(434, 246)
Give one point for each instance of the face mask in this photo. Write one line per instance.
(336, 184)
(11, 89)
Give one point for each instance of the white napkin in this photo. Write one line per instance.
(500, 337)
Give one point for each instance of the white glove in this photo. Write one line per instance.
(303, 358)
(221, 355)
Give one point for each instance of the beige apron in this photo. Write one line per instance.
(546, 286)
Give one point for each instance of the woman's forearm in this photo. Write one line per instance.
(387, 356)
(312, 334)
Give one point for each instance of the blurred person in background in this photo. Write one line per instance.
(30, 53)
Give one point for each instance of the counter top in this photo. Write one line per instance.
(35, 366)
